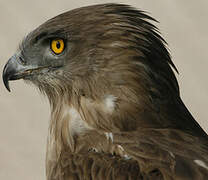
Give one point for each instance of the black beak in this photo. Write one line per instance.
(13, 70)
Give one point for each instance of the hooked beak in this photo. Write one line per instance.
(13, 70)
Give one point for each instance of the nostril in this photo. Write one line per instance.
(22, 60)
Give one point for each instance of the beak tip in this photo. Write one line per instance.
(6, 83)
(8, 88)
(5, 77)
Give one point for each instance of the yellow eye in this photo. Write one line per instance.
(57, 46)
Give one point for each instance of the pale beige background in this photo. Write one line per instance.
(24, 114)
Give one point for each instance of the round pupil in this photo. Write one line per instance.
(58, 45)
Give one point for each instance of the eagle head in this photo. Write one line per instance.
(110, 55)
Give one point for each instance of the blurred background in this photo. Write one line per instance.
(24, 114)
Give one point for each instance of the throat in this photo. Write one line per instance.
(66, 125)
(77, 127)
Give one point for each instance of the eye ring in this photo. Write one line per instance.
(57, 46)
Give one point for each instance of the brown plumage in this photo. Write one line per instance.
(116, 111)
